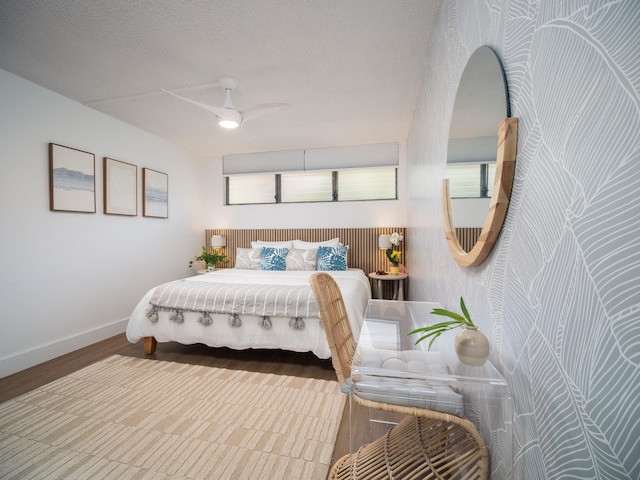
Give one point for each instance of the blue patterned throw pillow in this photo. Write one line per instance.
(332, 258)
(273, 258)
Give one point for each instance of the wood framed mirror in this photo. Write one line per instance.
(474, 209)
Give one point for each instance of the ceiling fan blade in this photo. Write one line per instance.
(211, 108)
(263, 108)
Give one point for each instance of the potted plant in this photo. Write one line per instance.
(471, 345)
(211, 259)
(394, 255)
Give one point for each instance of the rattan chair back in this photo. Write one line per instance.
(335, 321)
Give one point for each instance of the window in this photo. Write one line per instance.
(315, 186)
(244, 189)
(491, 167)
(367, 184)
(345, 173)
(471, 180)
(306, 187)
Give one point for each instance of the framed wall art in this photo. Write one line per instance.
(155, 200)
(120, 188)
(72, 180)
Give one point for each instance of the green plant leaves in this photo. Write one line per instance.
(434, 330)
(437, 329)
(465, 312)
(447, 313)
(466, 319)
(209, 258)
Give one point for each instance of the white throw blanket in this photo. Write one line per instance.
(300, 333)
(247, 299)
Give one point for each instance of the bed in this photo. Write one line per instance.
(259, 329)
(244, 308)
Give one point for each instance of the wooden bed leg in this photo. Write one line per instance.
(150, 344)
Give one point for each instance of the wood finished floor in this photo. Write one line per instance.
(266, 361)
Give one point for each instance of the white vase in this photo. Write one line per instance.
(472, 347)
(211, 268)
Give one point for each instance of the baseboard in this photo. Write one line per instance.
(35, 356)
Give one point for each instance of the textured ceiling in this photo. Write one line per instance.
(351, 69)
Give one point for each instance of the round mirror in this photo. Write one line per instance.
(480, 160)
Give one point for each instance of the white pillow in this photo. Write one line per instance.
(248, 258)
(334, 242)
(302, 260)
(261, 243)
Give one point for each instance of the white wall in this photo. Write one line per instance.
(388, 213)
(70, 279)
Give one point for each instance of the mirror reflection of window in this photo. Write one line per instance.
(471, 180)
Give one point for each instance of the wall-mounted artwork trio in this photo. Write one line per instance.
(72, 185)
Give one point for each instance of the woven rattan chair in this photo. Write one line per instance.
(425, 445)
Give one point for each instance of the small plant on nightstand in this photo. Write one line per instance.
(211, 259)
(392, 254)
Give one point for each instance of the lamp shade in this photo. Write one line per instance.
(384, 242)
(218, 241)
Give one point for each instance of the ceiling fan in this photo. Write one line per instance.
(228, 115)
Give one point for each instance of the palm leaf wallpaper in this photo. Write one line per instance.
(560, 295)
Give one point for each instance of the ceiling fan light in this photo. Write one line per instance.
(229, 118)
(228, 123)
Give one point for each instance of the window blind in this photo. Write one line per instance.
(329, 158)
(263, 162)
(356, 156)
(472, 150)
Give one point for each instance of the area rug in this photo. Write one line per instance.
(131, 418)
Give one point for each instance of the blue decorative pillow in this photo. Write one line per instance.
(273, 258)
(332, 258)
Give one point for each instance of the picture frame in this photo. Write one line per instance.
(72, 180)
(155, 198)
(120, 188)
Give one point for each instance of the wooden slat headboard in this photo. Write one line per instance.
(363, 242)
(468, 236)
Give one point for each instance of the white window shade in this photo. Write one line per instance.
(263, 162)
(472, 150)
(357, 156)
(330, 158)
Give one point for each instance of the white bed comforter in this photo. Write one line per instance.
(353, 284)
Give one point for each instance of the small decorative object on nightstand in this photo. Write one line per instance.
(398, 283)
(212, 259)
(390, 244)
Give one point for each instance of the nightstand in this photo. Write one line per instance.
(398, 285)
